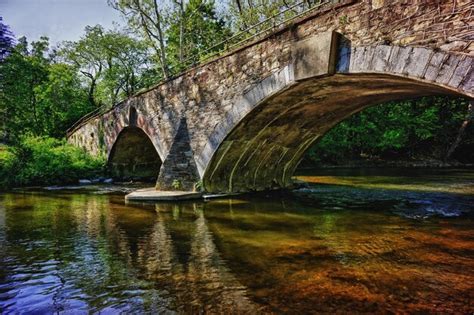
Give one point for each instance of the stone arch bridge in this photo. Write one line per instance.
(243, 121)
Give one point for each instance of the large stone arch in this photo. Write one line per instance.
(263, 138)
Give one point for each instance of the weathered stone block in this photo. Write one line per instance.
(290, 73)
(377, 4)
(467, 84)
(417, 62)
(357, 55)
(447, 69)
(434, 65)
(463, 68)
(402, 60)
(381, 58)
(315, 56)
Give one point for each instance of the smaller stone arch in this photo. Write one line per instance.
(133, 156)
(128, 116)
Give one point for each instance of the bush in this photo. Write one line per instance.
(45, 161)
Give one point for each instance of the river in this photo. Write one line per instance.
(357, 241)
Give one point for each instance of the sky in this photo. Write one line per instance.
(58, 19)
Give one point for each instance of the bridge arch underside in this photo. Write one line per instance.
(264, 149)
(134, 156)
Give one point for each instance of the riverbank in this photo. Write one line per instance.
(379, 163)
(43, 161)
(445, 180)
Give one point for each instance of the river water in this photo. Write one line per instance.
(349, 242)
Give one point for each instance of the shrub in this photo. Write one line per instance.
(176, 184)
(45, 161)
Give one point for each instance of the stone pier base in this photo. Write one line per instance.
(151, 194)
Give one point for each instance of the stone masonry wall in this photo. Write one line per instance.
(207, 96)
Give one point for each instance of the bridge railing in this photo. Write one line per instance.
(253, 32)
(264, 27)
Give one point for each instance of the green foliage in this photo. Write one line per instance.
(343, 20)
(111, 63)
(176, 184)
(61, 100)
(38, 96)
(21, 73)
(245, 14)
(198, 186)
(45, 161)
(146, 17)
(423, 128)
(178, 33)
(7, 160)
(201, 30)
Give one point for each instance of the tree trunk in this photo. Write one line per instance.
(462, 129)
(144, 17)
(181, 32)
(241, 13)
(90, 95)
(113, 93)
(164, 60)
(33, 107)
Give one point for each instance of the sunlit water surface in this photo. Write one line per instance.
(365, 243)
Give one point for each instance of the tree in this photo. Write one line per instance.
(127, 59)
(22, 71)
(111, 61)
(61, 100)
(86, 56)
(38, 96)
(179, 32)
(195, 34)
(147, 17)
(253, 12)
(6, 39)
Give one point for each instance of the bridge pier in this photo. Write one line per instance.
(179, 171)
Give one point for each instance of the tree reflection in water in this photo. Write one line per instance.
(340, 250)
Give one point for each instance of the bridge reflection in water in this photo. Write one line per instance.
(96, 255)
(332, 249)
(189, 275)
